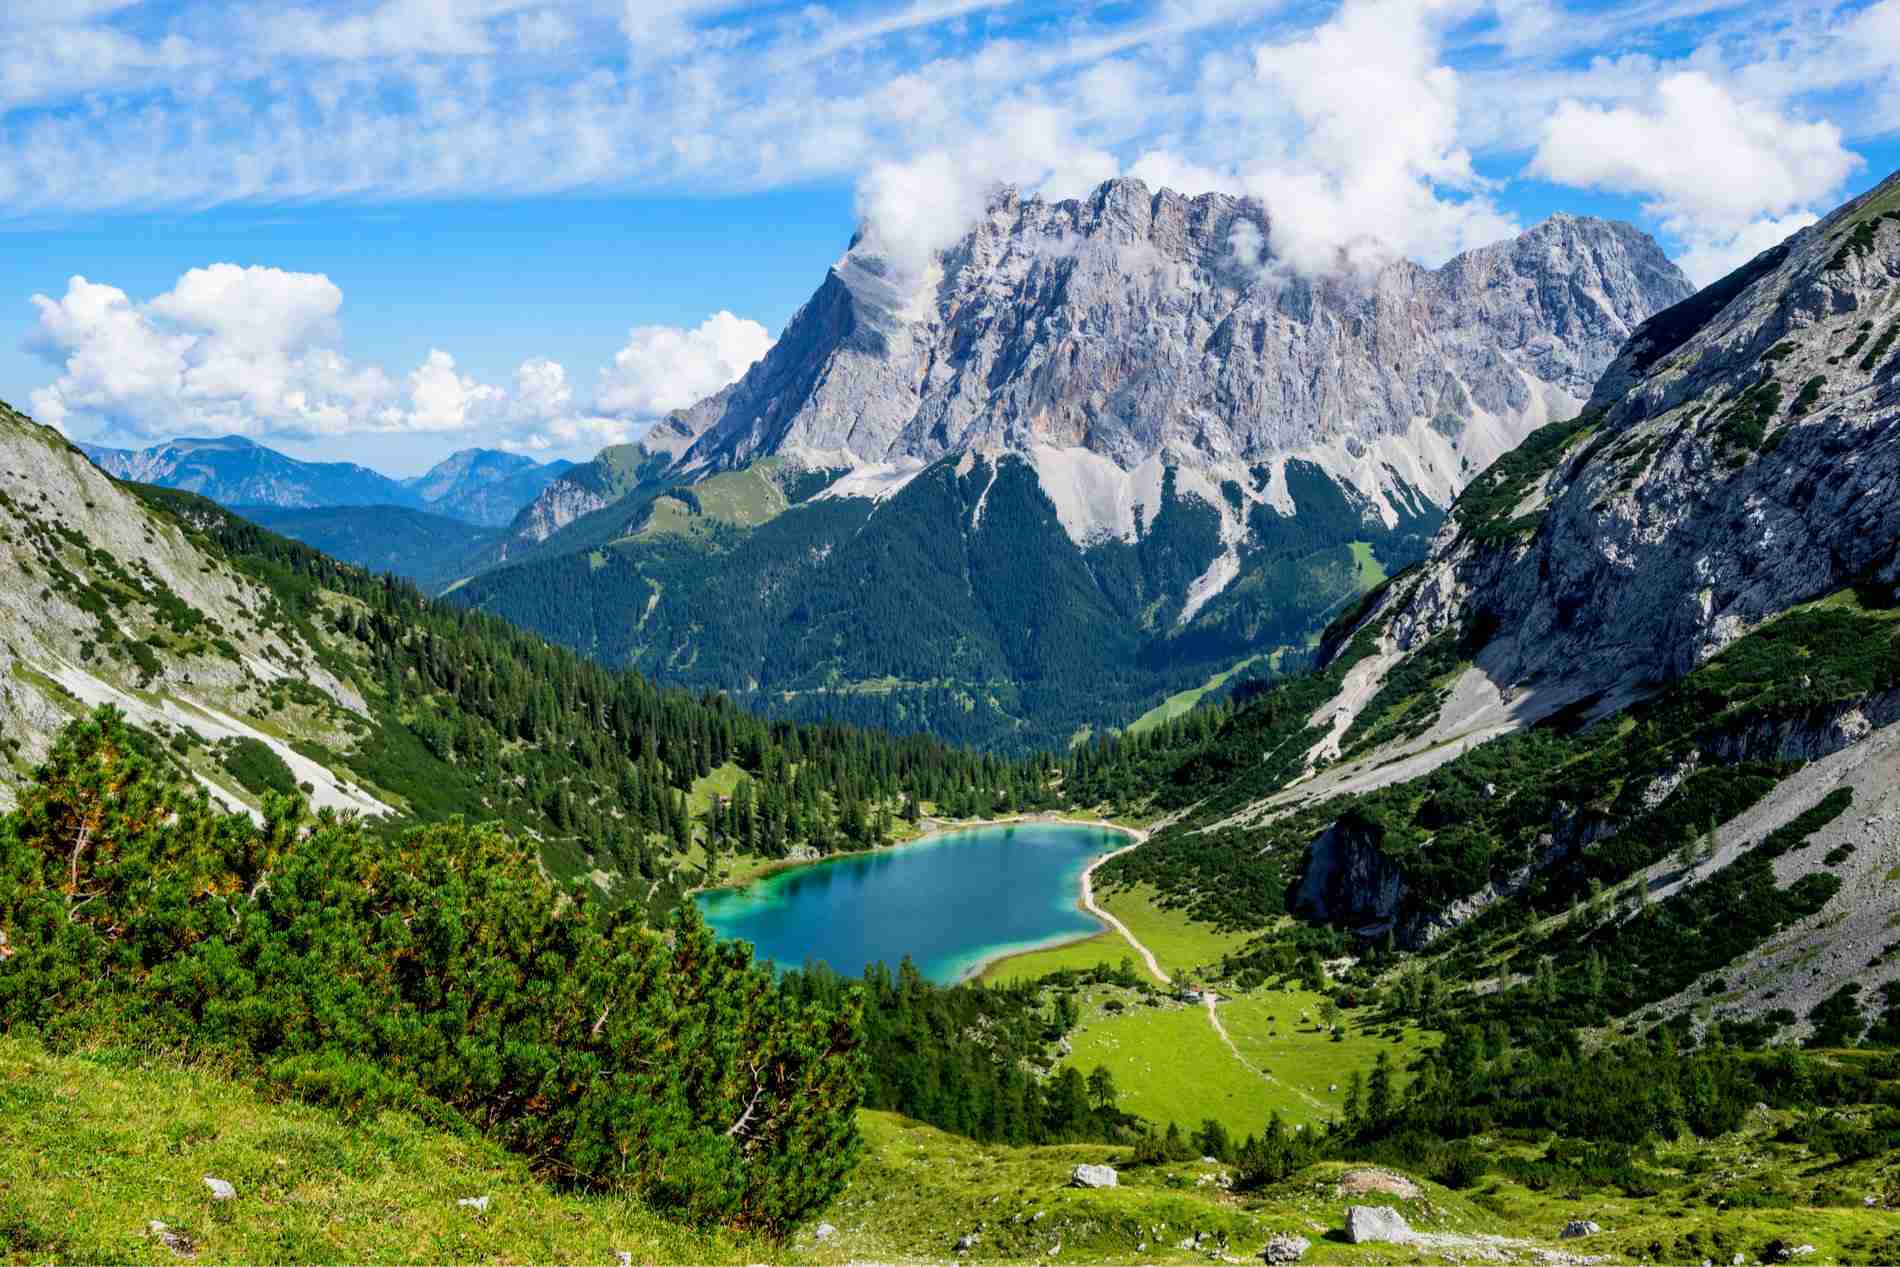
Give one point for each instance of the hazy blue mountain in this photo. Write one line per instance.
(483, 486)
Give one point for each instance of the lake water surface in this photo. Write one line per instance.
(952, 902)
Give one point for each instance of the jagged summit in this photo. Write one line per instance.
(1137, 326)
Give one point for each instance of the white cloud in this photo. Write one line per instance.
(1710, 164)
(916, 208)
(257, 351)
(1370, 159)
(663, 368)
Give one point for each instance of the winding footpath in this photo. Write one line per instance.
(1154, 966)
(1088, 904)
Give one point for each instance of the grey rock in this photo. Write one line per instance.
(477, 1204)
(623, 1258)
(177, 1242)
(1283, 1248)
(824, 1232)
(221, 1190)
(1371, 1224)
(1578, 1227)
(1126, 323)
(1671, 541)
(1086, 1176)
(967, 1242)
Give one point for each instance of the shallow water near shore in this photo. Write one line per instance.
(952, 902)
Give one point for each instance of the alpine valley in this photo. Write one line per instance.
(1492, 674)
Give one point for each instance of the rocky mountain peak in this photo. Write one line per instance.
(1135, 326)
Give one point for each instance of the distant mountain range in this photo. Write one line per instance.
(1100, 456)
(478, 486)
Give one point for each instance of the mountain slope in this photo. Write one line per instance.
(1628, 737)
(431, 550)
(483, 486)
(1114, 457)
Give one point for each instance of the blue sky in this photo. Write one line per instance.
(385, 229)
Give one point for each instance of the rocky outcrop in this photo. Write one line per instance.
(1376, 1224)
(1086, 1176)
(1349, 879)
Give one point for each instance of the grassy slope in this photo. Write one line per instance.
(93, 1148)
(91, 1151)
(1182, 702)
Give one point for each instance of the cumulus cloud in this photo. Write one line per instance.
(1370, 162)
(257, 351)
(1726, 176)
(663, 368)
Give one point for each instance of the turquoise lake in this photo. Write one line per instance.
(952, 902)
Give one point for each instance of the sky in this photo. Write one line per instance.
(383, 230)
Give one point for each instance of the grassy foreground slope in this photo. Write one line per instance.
(93, 1149)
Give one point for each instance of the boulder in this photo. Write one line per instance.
(623, 1258)
(1282, 1248)
(1578, 1227)
(825, 1232)
(1093, 1177)
(477, 1204)
(1372, 1224)
(967, 1242)
(221, 1190)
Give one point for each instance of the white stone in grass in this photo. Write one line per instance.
(221, 1190)
(623, 1258)
(1086, 1176)
(1367, 1224)
(825, 1232)
(477, 1204)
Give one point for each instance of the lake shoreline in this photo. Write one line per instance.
(943, 827)
(938, 830)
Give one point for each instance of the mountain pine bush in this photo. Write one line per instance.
(438, 971)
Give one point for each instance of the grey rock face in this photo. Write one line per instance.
(1706, 500)
(1282, 1248)
(1094, 1177)
(1349, 878)
(1126, 323)
(1370, 1224)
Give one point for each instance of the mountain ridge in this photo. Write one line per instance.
(480, 486)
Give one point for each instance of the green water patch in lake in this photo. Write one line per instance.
(952, 902)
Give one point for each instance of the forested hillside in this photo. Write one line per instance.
(379, 698)
(957, 606)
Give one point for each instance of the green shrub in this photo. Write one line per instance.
(254, 763)
(436, 966)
